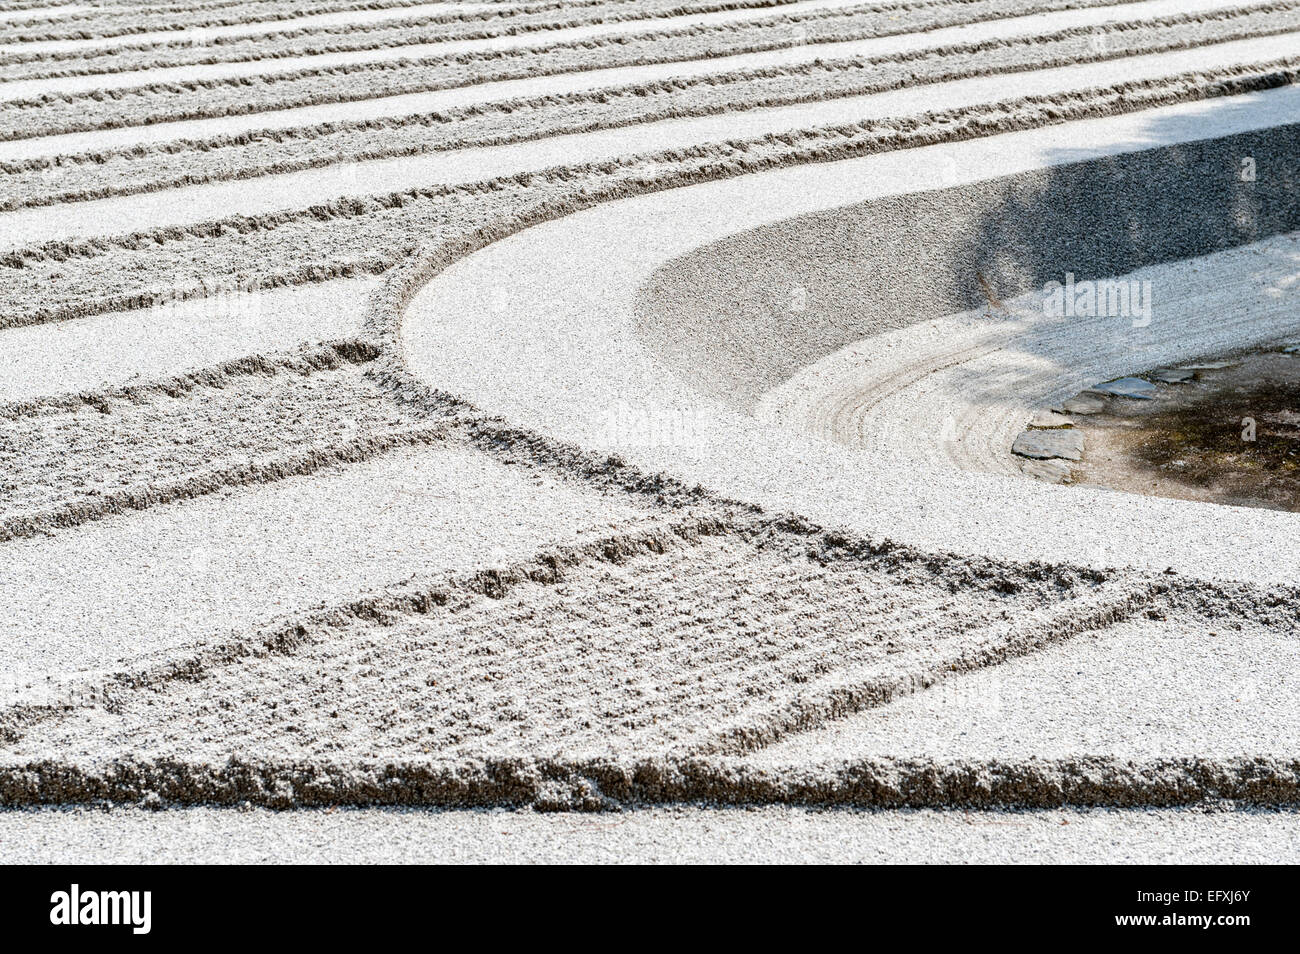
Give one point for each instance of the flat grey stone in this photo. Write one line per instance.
(1044, 445)
(1291, 349)
(1209, 366)
(1053, 471)
(1134, 388)
(1045, 418)
(1084, 404)
(1174, 375)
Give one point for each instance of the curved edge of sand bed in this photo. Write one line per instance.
(564, 358)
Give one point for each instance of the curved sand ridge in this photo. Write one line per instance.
(613, 337)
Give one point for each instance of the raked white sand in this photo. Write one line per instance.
(769, 835)
(1034, 24)
(185, 575)
(562, 351)
(99, 352)
(122, 215)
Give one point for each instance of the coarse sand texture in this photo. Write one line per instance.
(426, 408)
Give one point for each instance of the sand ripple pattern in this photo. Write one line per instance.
(206, 149)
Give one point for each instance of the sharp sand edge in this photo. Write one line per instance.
(583, 356)
(117, 216)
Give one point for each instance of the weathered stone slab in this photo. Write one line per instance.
(1084, 404)
(1135, 388)
(1045, 444)
(1055, 471)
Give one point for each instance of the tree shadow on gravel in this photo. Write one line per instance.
(892, 262)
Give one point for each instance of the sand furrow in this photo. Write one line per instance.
(522, 120)
(609, 784)
(608, 404)
(29, 77)
(367, 92)
(170, 337)
(271, 194)
(107, 27)
(100, 277)
(1223, 691)
(505, 28)
(318, 83)
(69, 460)
(170, 580)
(632, 656)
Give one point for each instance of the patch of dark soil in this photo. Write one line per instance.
(1231, 435)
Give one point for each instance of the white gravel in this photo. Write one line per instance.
(294, 190)
(561, 368)
(771, 835)
(151, 343)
